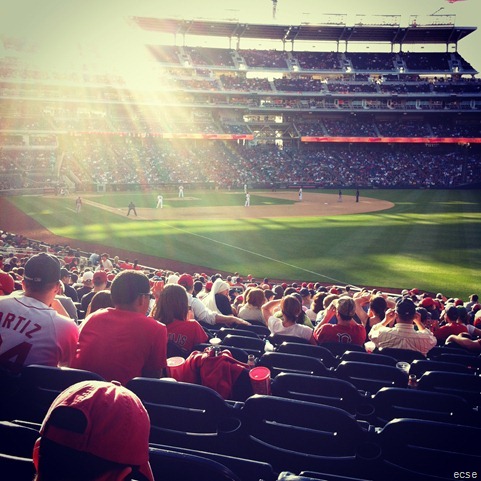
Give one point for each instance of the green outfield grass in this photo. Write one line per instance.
(429, 239)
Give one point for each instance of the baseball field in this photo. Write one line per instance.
(429, 239)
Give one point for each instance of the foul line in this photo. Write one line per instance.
(256, 254)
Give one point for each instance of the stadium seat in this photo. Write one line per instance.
(17, 440)
(279, 362)
(294, 435)
(261, 331)
(323, 390)
(368, 357)
(321, 353)
(393, 402)
(467, 386)
(473, 363)
(420, 366)
(16, 468)
(419, 449)
(42, 384)
(188, 415)
(371, 377)
(406, 355)
(250, 344)
(224, 331)
(277, 339)
(339, 348)
(245, 469)
(178, 466)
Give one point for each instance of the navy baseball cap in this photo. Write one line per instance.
(42, 269)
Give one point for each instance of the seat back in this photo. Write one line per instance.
(467, 386)
(418, 449)
(245, 469)
(339, 348)
(371, 377)
(321, 353)
(224, 331)
(392, 402)
(17, 440)
(250, 344)
(189, 415)
(360, 356)
(322, 390)
(473, 363)
(17, 468)
(42, 384)
(177, 466)
(420, 366)
(277, 339)
(261, 330)
(406, 355)
(293, 435)
(279, 362)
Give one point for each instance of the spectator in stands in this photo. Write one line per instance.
(87, 278)
(316, 305)
(200, 311)
(67, 303)
(7, 284)
(105, 263)
(100, 282)
(66, 278)
(100, 300)
(218, 298)
(251, 310)
(290, 324)
(121, 343)
(473, 299)
(450, 324)
(31, 331)
(346, 330)
(172, 309)
(94, 430)
(377, 307)
(403, 335)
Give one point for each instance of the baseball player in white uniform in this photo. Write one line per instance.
(160, 202)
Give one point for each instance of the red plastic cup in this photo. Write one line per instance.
(175, 367)
(260, 380)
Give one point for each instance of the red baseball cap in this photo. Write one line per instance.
(186, 280)
(100, 276)
(117, 425)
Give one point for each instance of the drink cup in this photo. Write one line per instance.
(175, 367)
(260, 380)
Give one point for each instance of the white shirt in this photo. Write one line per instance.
(297, 330)
(33, 333)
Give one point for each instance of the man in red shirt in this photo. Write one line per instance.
(121, 342)
(346, 330)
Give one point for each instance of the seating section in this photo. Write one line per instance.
(322, 424)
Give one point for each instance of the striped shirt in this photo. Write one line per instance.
(402, 336)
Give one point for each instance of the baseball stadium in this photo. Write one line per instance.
(286, 155)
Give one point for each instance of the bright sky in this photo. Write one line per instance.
(58, 27)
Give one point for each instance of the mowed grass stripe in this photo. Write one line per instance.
(430, 240)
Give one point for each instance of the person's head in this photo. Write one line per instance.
(65, 275)
(451, 313)
(186, 281)
(346, 308)
(291, 308)
(42, 276)
(94, 430)
(100, 300)
(256, 297)
(172, 304)
(378, 306)
(405, 310)
(130, 290)
(100, 280)
(87, 278)
(317, 301)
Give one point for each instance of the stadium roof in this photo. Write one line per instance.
(394, 34)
